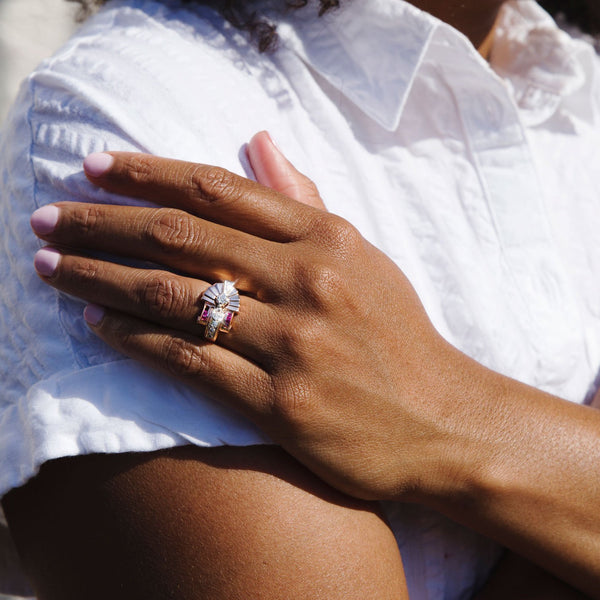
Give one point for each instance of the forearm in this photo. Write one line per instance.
(505, 459)
(521, 467)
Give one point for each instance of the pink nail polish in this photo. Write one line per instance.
(44, 220)
(93, 314)
(98, 164)
(46, 260)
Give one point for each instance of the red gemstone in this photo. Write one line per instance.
(205, 313)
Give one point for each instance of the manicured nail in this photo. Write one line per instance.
(45, 261)
(98, 164)
(93, 314)
(44, 220)
(275, 144)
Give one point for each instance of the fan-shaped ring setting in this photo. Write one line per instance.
(221, 303)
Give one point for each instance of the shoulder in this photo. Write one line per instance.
(159, 77)
(140, 76)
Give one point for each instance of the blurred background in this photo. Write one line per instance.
(30, 30)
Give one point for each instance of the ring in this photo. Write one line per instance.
(221, 303)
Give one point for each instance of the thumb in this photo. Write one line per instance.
(596, 400)
(274, 170)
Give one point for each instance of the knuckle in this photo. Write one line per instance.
(123, 334)
(184, 358)
(213, 183)
(296, 345)
(86, 218)
(164, 297)
(140, 168)
(84, 272)
(172, 232)
(337, 234)
(315, 284)
(324, 287)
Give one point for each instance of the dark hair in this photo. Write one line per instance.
(584, 14)
(238, 12)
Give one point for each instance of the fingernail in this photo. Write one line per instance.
(275, 144)
(44, 220)
(93, 314)
(98, 164)
(45, 261)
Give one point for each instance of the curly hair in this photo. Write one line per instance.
(238, 12)
(584, 14)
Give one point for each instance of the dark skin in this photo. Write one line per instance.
(196, 523)
(475, 19)
(121, 505)
(128, 489)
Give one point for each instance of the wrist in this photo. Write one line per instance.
(454, 450)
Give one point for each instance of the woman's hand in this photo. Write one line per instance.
(330, 337)
(332, 353)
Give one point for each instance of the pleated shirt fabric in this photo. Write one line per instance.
(479, 179)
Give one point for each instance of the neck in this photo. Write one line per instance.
(475, 18)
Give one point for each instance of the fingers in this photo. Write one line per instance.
(274, 170)
(166, 299)
(206, 191)
(167, 236)
(209, 367)
(171, 236)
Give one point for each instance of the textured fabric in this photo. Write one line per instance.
(480, 181)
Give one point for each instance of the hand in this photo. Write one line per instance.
(332, 353)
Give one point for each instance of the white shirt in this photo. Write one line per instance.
(480, 181)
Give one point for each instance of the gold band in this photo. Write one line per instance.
(221, 304)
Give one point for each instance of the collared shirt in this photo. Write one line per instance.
(480, 180)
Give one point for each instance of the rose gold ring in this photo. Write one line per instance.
(221, 303)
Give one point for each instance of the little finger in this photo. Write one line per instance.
(160, 297)
(221, 374)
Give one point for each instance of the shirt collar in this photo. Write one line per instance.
(371, 50)
(368, 49)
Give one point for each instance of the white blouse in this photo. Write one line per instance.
(480, 180)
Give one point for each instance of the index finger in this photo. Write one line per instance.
(209, 192)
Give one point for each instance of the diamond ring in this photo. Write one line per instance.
(221, 303)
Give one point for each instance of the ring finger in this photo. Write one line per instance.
(158, 296)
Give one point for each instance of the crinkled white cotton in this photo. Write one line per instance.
(480, 181)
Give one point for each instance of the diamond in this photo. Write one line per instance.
(222, 300)
(218, 314)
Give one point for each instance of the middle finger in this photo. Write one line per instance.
(165, 236)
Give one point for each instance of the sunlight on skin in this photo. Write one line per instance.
(475, 18)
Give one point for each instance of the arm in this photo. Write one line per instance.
(517, 578)
(508, 460)
(200, 523)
